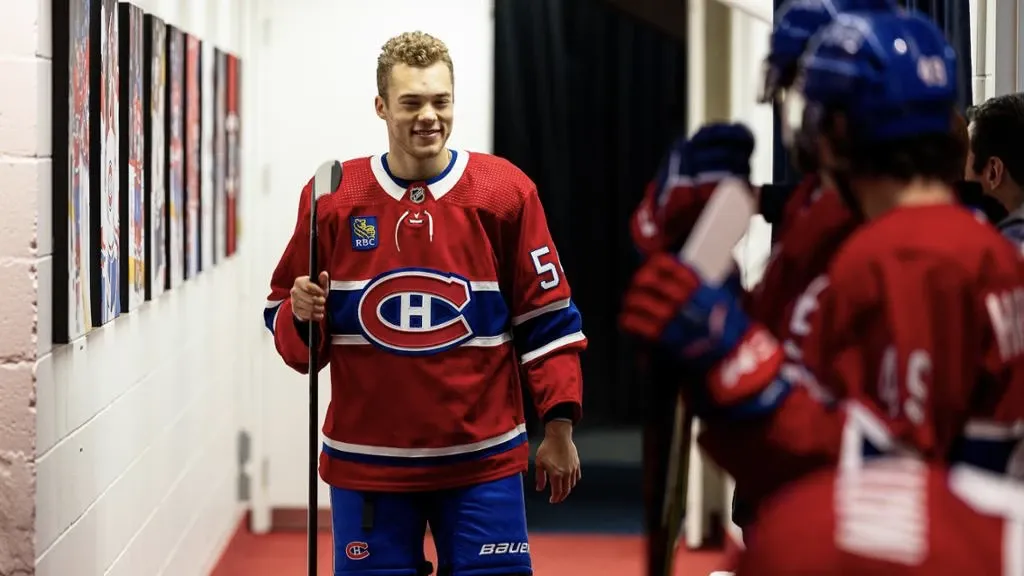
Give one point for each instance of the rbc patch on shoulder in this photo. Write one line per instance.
(364, 232)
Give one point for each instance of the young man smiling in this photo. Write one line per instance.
(440, 287)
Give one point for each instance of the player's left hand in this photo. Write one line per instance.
(557, 461)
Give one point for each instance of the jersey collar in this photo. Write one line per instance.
(438, 186)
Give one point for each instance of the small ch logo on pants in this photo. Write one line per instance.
(357, 551)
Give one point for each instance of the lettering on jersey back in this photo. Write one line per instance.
(806, 305)
(800, 320)
(1006, 313)
(905, 394)
(415, 311)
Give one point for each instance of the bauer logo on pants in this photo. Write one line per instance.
(357, 551)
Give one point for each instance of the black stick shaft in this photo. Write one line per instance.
(314, 404)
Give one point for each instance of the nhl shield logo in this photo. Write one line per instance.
(417, 195)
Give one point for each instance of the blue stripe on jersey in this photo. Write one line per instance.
(542, 330)
(486, 313)
(269, 312)
(426, 461)
(989, 454)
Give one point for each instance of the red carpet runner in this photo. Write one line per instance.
(284, 554)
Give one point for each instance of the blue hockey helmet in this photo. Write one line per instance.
(796, 21)
(892, 75)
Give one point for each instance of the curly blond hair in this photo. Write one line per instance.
(417, 49)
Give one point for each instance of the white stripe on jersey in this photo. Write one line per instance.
(389, 451)
(995, 495)
(352, 285)
(551, 346)
(1013, 547)
(478, 342)
(882, 510)
(557, 305)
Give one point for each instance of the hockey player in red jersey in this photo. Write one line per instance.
(809, 222)
(890, 343)
(440, 287)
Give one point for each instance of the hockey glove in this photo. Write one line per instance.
(684, 183)
(705, 326)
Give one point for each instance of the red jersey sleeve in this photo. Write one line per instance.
(546, 325)
(289, 336)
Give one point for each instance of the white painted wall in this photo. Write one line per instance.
(25, 145)
(997, 47)
(750, 37)
(709, 490)
(136, 423)
(318, 68)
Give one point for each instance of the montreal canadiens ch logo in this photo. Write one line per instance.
(416, 311)
(357, 551)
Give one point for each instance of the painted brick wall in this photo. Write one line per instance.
(24, 240)
(117, 451)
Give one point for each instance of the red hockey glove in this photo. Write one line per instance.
(668, 304)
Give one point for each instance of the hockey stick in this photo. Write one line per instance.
(708, 249)
(326, 181)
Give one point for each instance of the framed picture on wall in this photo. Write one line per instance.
(175, 176)
(220, 155)
(154, 88)
(233, 130)
(133, 158)
(72, 168)
(104, 186)
(206, 187)
(193, 174)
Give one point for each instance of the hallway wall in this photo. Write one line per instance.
(117, 451)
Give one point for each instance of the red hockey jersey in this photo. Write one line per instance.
(892, 517)
(816, 224)
(443, 293)
(914, 329)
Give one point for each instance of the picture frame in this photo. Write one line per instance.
(233, 128)
(193, 155)
(206, 155)
(104, 186)
(72, 167)
(156, 119)
(132, 154)
(175, 174)
(220, 153)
